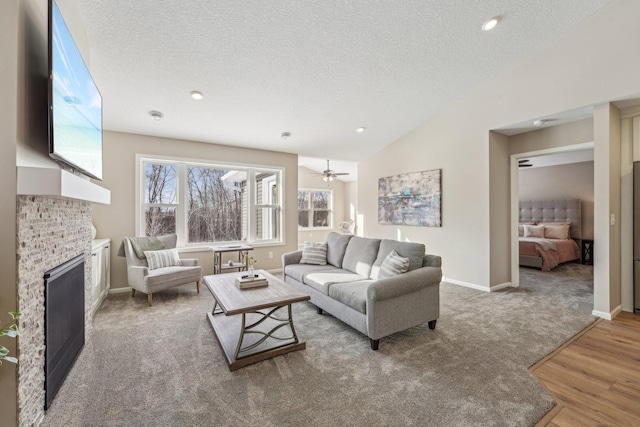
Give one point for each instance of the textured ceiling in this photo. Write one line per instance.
(317, 69)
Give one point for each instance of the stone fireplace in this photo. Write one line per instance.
(50, 231)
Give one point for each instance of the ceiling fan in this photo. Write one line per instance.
(524, 163)
(328, 174)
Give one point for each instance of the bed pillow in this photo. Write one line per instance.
(314, 253)
(521, 230)
(534, 231)
(556, 231)
(393, 265)
(162, 258)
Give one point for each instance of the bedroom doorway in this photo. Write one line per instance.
(551, 174)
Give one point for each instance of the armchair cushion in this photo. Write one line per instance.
(162, 258)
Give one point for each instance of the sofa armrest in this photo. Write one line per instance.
(291, 258)
(189, 262)
(403, 284)
(432, 261)
(136, 275)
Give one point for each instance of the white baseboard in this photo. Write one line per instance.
(478, 287)
(608, 316)
(465, 284)
(119, 290)
(502, 286)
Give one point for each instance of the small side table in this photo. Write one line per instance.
(587, 251)
(239, 265)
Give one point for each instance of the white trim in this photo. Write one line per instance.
(466, 284)
(119, 290)
(36, 181)
(608, 316)
(515, 198)
(630, 112)
(502, 286)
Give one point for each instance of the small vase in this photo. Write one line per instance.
(250, 271)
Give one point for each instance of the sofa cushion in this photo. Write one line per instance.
(298, 271)
(353, 294)
(162, 258)
(314, 253)
(321, 281)
(393, 265)
(336, 247)
(360, 255)
(411, 250)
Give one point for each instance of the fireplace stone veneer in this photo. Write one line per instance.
(50, 231)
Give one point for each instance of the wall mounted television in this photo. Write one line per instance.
(75, 104)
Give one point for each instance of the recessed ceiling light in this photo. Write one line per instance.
(197, 95)
(491, 23)
(156, 115)
(360, 129)
(540, 122)
(285, 135)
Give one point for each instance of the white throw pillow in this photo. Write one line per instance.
(163, 258)
(534, 231)
(393, 265)
(314, 253)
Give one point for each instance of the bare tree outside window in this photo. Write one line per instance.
(160, 199)
(214, 205)
(211, 203)
(314, 209)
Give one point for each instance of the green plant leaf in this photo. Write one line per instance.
(3, 351)
(11, 359)
(10, 333)
(15, 314)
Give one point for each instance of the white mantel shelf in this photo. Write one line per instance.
(57, 182)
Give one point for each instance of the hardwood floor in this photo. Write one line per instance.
(595, 377)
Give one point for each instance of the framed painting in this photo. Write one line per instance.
(411, 199)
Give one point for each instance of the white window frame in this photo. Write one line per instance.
(181, 203)
(311, 210)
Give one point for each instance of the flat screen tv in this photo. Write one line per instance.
(75, 104)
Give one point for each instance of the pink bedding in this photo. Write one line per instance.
(566, 250)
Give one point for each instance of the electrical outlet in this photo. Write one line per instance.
(270, 255)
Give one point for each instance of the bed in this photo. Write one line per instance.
(548, 230)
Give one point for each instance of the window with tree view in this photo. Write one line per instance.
(211, 203)
(314, 208)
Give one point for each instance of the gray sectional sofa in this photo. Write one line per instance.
(348, 286)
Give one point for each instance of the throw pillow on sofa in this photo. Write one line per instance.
(314, 253)
(162, 258)
(393, 265)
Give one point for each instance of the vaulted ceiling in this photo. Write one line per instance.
(316, 69)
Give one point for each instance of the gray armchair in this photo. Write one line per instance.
(142, 279)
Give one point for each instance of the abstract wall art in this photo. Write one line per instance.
(411, 199)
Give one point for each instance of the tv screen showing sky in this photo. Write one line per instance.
(77, 104)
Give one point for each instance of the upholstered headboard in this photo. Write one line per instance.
(554, 210)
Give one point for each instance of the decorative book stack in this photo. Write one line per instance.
(247, 282)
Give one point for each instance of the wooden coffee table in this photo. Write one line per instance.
(254, 324)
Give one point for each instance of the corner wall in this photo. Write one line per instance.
(8, 136)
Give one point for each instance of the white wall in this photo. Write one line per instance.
(592, 63)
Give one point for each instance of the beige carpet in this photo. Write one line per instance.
(162, 366)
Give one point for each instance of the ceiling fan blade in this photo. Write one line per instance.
(523, 161)
(524, 165)
(340, 173)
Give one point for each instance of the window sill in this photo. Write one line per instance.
(207, 247)
(315, 229)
